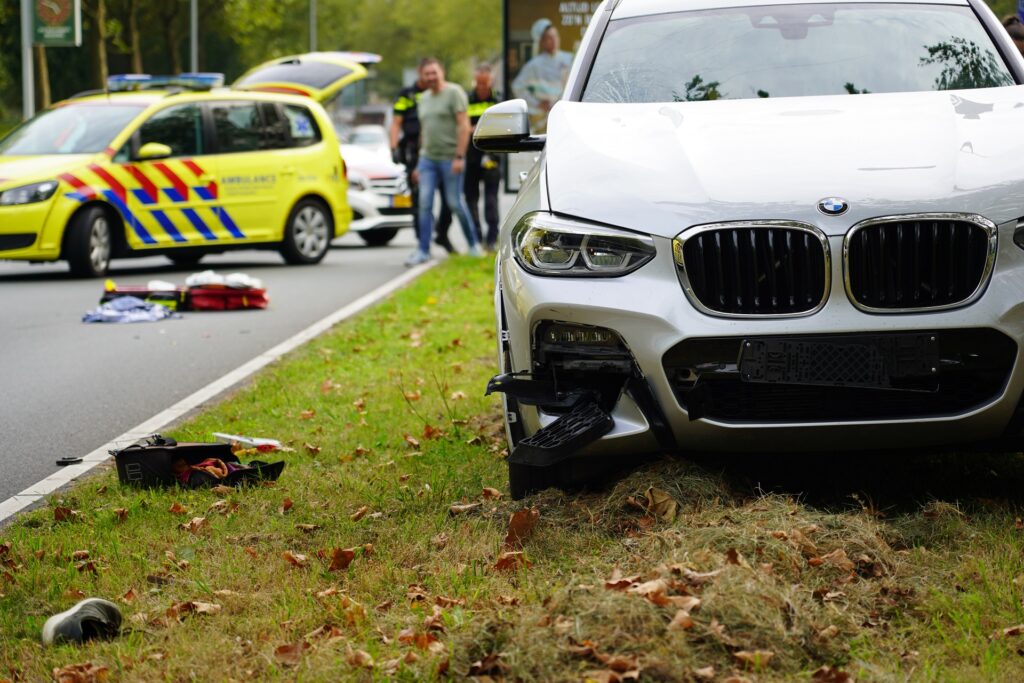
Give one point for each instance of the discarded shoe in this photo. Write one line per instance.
(92, 618)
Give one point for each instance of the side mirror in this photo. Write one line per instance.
(155, 150)
(505, 129)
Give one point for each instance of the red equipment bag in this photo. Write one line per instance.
(226, 298)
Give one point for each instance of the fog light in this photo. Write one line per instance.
(580, 334)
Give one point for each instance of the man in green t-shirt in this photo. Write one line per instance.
(444, 137)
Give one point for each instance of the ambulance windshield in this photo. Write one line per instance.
(77, 128)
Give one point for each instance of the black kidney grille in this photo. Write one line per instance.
(916, 263)
(756, 270)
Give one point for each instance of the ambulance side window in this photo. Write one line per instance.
(238, 126)
(301, 126)
(275, 131)
(179, 127)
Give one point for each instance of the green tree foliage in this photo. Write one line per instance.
(237, 34)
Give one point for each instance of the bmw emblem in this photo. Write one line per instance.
(833, 206)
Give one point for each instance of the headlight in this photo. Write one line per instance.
(546, 244)
(28, 194)
(358, 181)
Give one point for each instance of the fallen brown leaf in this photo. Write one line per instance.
(291, 654)
(129, 596)
(312, 449)
(65, 514)
(295, 559)
(488, 492)
(431, 432)
(412, 441)
(661, 504)
(828, 674)
(81, 673)
(440, 541)
(838, 559)
(121, 514)
(307, 528)
(307, 414)
(182, 609)
(416, 592)
(520, 525)
(194, 525)
(222, 490)
(753, 659)
(512, 561)
(705, 673)
(177, 509)
(435, 620)
(618, 582)
(80, 555)
(360, 513)
(341, 558)
(491, 665)
(682, 621)
(359, 658)
(462, 508)
(286, 505)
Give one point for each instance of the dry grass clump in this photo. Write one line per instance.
(771, 588)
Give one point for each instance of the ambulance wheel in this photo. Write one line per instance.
(185, 260)
(88, 243)
(307, 235)
(378, 237)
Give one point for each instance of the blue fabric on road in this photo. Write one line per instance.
(128, 309)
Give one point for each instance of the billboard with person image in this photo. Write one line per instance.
(541, 39)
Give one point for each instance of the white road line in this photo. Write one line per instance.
(66, 475)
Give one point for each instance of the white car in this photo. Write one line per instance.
(766, 227)
(378, 191)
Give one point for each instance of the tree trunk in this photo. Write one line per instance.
(134, 37)
(99, 42)
(172, 36)
(42, 77)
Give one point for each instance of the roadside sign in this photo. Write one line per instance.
(57, 23)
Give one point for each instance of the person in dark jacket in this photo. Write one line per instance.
(480, 167)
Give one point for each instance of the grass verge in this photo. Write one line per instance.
(679, 571)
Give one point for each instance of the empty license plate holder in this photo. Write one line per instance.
(894, 361)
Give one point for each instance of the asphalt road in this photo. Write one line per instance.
(68, 387)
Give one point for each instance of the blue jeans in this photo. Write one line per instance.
(434, 174)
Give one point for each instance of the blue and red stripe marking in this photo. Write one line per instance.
(82, 192)
(179, 191)
(149, 193)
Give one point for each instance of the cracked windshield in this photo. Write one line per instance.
(793, 51)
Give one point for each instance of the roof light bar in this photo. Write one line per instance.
(190, 81)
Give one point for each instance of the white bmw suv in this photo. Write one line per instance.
(793, 226)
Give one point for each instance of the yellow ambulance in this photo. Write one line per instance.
(182, 167)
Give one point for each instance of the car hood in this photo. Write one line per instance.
(20, 170)
(371, 161)
(659, 168)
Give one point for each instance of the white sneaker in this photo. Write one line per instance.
(417, 257)
(90, 618)
(476, 251)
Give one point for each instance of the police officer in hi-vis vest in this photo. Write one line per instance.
(482, 167)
